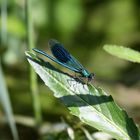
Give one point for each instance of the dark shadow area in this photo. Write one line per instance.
(132, 130)
(82, 100)
(130, 75)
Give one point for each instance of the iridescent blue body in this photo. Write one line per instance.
(64, 58)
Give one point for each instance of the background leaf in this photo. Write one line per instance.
(92, 105)
(123, 52)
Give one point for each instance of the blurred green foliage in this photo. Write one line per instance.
(123, 52)
(83, 26)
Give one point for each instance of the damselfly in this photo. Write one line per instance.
(64, 58)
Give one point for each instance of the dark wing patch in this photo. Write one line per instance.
(63, 57)
(60, 53)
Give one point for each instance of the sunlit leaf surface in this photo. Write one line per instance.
(92, 105)
(123, 52)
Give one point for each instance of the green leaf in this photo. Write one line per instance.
(92, 105)
(5, 101)
(123, 52)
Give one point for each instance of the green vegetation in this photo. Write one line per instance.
(28, 109)
(92, 105)
(123, 52)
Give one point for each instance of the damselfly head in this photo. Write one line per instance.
(91, 76)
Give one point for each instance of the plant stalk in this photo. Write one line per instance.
(33, 76)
